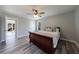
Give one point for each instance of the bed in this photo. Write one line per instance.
(46, 41)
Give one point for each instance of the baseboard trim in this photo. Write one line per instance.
(2, 42)
(75, 42)
(22, 37)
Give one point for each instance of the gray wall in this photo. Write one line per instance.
(65, 21)
(0, 28)
(77, 22)
(22, 27)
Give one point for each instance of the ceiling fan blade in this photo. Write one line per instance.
(33, 10)
(39, 15)
(28, 13)
(42, 12)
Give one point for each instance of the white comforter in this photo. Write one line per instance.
(55, 36)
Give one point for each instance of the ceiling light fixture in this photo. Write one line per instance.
(35, 16)
(37, 13)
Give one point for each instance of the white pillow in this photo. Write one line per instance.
(48, 29)
(57, 30)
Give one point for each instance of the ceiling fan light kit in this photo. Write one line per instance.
(35, 16)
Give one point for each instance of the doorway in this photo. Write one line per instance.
(10, 33)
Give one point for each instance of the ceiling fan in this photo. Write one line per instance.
(36, 13)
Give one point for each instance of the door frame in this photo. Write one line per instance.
(11, 18)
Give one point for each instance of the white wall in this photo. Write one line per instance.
(65, 21)
(22, 27)
(77, 22)
(32, 25)
(0, 28)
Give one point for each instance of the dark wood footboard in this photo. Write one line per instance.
(43, 42)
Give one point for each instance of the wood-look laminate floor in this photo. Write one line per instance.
(22, 46)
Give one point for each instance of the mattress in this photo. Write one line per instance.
(55, 36)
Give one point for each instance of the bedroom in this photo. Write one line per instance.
(31, 19)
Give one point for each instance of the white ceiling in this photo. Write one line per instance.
(26, 10)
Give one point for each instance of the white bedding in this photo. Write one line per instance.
(55, 36)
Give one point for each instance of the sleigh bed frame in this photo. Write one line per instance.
(43, 42)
